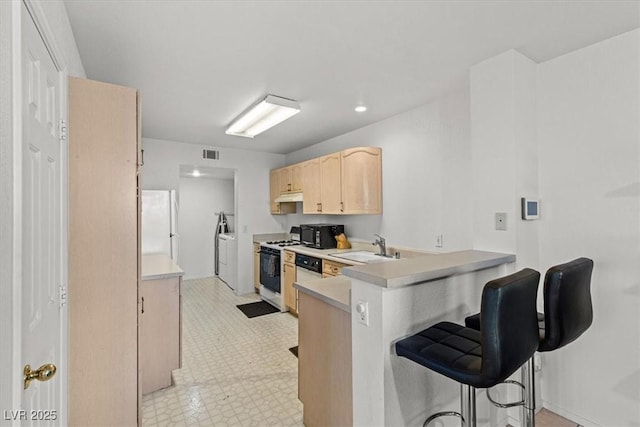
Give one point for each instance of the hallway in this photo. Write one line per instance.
(235, 370)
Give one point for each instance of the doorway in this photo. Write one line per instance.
(204, 192)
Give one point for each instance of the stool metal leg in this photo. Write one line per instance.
(468, 405)
(467, 412)
(529, 407)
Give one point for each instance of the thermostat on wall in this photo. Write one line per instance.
(530, 208)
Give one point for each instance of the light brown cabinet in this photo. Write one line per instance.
(330, 194)
(296, 178)
(290, 293)
(104, 253)
(324, 363)
(344, 183)
(332, 268)
(311, 201)
(256, 267)
(274, 186)
(290, 178)
(160, 332)
(361, 180)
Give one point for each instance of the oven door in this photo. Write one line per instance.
(270, 270)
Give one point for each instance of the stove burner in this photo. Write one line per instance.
(283, 243)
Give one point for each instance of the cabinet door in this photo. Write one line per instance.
(296, 177)
(361, 171)
(285, 180)
(330, 188)
(311, 184)
(289, 291)
(256, 266)
(103, 251)
(332, 268)
(159, 332)
(274, 185)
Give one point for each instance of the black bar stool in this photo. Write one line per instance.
(482, 359)
(568, 312)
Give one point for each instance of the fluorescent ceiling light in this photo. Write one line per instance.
(262, 116)
(196, 173)
(360, 109)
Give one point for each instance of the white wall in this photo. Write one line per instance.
(425, 176)
(55, 15)
(162, 160)
(504, 154)
(589, 149)
(200, 199)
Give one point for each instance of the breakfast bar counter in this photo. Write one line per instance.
(335, 291)
(411, 271)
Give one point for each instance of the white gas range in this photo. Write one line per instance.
(271, 268)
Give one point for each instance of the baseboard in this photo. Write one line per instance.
(569, 415)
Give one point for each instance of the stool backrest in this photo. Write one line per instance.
(509, 334)
(567, 303)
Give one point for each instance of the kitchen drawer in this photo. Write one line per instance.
(290, 257)
(332, 268)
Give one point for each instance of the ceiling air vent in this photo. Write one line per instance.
(210, 154)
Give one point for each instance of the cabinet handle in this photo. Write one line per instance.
(142, 305)
(319, 207)
(341, 206)
(141, 157)
(288, 187)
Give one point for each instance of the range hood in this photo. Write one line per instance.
(289, 197)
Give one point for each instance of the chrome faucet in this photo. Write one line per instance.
(382, 243)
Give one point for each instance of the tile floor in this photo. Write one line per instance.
(235, 371)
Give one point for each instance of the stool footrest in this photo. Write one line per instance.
(510, 404)
(442, 414)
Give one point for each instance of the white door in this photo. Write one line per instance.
(43, 224)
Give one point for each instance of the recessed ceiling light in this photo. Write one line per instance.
(196, 173)
(361, 109)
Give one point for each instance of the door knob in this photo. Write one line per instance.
(43, 373)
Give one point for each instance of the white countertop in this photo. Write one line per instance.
(159, 266)
(410, 271)
(335, 291)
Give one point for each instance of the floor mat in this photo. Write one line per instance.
(294, 350)
(255, 309)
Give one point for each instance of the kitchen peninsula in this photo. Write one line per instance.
(160, 321)
(398, 298)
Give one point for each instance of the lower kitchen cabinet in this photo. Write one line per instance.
(324, 363)
(256, 267)
(160, 332)
(290, 294)
(332, 268)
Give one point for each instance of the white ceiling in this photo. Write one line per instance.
(198, 64)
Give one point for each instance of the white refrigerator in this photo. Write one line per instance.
(160, 223)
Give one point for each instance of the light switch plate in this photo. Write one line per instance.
(501, 221)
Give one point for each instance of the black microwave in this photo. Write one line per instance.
(320, 236)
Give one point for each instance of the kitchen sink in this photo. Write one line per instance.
(361, 256)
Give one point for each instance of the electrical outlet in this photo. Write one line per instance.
(501, 221)
(362, 308)
(439, 241)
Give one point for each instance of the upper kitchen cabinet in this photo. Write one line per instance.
(275, 179)
(296, 177)
(291, 179)
(330, 194)
(311, 202)
(361, 172)
(348, 182)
